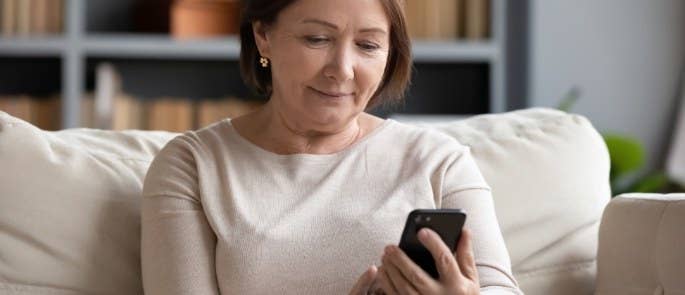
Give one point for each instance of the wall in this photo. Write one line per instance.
(626, 57)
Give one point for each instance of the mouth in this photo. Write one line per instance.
(332, 94)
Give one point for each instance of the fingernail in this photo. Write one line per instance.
(389, 249)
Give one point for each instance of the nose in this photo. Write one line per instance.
(340, 66)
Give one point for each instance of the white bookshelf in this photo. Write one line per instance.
(79, 44)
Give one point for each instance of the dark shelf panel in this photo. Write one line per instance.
(36, 76)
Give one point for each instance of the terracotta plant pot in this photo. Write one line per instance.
(204, 18)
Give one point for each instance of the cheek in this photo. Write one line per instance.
(295, 69)
(370, 75)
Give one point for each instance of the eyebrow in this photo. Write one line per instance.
(333, 26)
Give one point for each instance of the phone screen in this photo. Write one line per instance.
(447, 223)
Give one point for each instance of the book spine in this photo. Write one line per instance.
(449, 19)
(39, 17)
(24, 17)
(9, 17)
(55, 16)
(88, 110)
(45, 112)
(413, 12)
(477, 19)
(170, 114)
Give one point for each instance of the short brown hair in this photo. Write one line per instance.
(397, 71)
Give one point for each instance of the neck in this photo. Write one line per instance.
(278, 134)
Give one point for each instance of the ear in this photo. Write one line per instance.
(261, 38)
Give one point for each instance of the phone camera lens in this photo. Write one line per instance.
(428, 219)
(417, 219)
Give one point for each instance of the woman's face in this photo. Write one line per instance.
(327, 59)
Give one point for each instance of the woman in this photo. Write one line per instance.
(306, 193)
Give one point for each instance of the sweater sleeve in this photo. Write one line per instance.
(177, 243)
(464, 187)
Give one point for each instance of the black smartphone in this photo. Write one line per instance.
(446, 222)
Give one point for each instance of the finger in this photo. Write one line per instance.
(365, 281)
(385, 281)
(376, 288)
(444, 258)
(465, 257)
(398, 280)
(413, 273)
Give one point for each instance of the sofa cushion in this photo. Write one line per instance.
(549, 173)
(641, 245)
(69, 208)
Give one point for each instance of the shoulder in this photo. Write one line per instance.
(424, 138)
(178, 163)
(187, 149)
(197, 143)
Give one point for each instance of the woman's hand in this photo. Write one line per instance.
(366, 282)
(400, 275)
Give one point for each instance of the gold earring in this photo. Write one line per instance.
(264, 61)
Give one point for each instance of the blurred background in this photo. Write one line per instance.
(173, 65)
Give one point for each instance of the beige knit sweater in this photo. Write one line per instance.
(220, 215)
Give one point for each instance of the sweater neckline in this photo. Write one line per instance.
(233, 133)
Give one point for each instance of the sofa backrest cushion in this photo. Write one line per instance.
(69, 208)
(549, 173)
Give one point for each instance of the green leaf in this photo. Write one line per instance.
(626, 153)
(653, 183)
(569, 99)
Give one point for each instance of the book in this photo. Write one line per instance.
(414, 14)
(23, 17)
(213, 110)
(128, 113)
(46, 112)
(88, 110)
(450, 19)
(18, 106)
(9, 17)
(39, 16)
(433, 19)
(55, 17)
(170, 114)
(477, 19)
(441, 19)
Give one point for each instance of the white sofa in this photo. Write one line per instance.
(70, 221)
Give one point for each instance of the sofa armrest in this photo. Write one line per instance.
(640, 245)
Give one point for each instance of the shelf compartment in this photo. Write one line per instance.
(154, 78)
(434, 91)
(30, 90)
(37, 76)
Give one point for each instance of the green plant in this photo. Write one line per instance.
(627, 156)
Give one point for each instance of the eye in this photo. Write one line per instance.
(368, 46)
(316, 40)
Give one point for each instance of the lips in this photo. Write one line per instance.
(333, 94)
